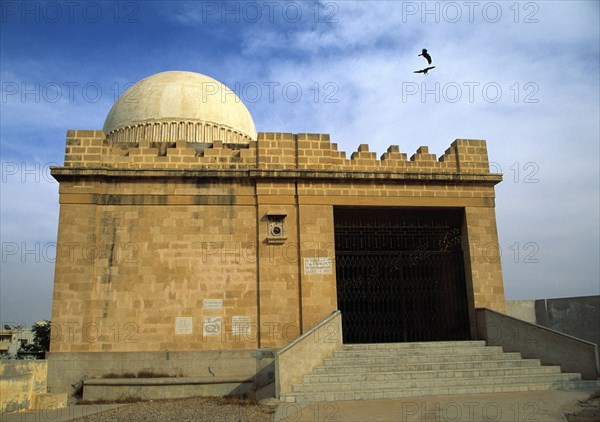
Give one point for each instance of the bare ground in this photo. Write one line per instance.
(587, 410)
(221, 409)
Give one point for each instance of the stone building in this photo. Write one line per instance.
(191, 245)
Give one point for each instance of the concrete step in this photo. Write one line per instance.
(593, 386)
(339, 361)
(416, 345)
(415, 392)
(402, 352)
(428, 366)
(377, 371)
(428, 383)
(409, 375)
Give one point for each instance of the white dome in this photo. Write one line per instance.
(172, 106)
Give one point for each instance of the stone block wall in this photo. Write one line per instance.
(158, 241)
(484, 273)
(126, 273)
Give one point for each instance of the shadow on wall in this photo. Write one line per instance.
(576, 316)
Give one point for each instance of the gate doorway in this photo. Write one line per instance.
(400, 275)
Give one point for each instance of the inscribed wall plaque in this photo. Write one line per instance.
(213, 304)
(183, 325)
(241, 324)
(212, 326)
(318, 266)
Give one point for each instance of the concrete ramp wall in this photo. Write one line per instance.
(536, 342)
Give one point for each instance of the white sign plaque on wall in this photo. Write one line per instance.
(240, 325)
(318, 266)
(183, 325)
(212, 326)
(213, 304)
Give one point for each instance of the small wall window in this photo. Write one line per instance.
(276, 233)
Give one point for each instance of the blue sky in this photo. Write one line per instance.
(522, 75)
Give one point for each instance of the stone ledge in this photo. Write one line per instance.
(165, 381)
(127, 389)
(65, 173)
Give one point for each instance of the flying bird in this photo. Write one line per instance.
(426, 55)
(424, 71)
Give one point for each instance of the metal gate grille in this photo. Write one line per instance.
(400, 275)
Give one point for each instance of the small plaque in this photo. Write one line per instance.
(183, 325)
(212, 326)
(241, 325)
(213, 304)
(318, 266)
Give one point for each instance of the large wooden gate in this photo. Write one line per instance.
(400, 275)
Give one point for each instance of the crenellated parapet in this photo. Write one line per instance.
(272, 151)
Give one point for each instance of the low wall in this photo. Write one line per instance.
(20, 382)
(67, 371)
(128, 389)
(537, 342)
(576, 316)
(306, 352)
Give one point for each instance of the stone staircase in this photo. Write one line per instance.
(378, 371)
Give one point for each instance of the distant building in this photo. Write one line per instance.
(190, 244)
(12, 339)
